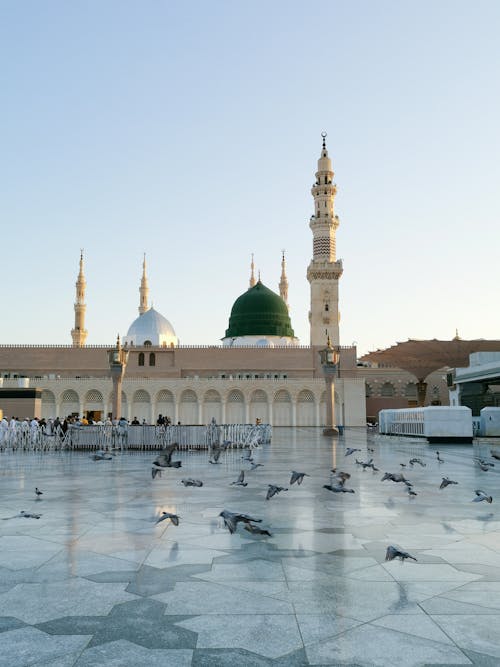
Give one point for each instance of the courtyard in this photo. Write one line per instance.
(96, 580)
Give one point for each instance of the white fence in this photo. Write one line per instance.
(142, 437)
(433, 422)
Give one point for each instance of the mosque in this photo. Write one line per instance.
(260, 371)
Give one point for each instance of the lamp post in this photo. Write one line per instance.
(329, 360)
(117, 358)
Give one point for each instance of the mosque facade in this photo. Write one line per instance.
(260, 370)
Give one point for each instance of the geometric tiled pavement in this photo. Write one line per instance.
(95, 581)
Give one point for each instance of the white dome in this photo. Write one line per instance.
(151, 328)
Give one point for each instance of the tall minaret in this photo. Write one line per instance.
(143, 289)
(283, 280)
(252, 276)
(79, 333)
(324, 270)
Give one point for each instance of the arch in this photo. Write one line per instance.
(282, 408)
(94, 404)
(410, 390)
(152, 359)
(368, 390)
(48, 404)
(259, 406)
(70, 403)
(141, 405)
(140, 360)
(141, 396)
(212, 396)
(387, 389)
(212, 406)
(306, 408)
(235, 407)
(188, 407)
(165, 404)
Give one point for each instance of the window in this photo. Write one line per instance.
(152, 359)
(147, 343)
(141, 359)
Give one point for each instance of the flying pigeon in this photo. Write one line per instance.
(351, 450)
(241, 480)
(231, 519)
(155, 472)
(273, 490)
(446, 482)
(167, 515)
(255, 530)
(164, 460)
(398, 477)
(394, 552)
(298, 477)
(341, 476)
(340, 488)
(481, 495)
(189, 481)
(367, 464)
(419, 461)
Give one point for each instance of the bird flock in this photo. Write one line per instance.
(337, 484)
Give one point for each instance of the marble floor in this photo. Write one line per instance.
(96, 581)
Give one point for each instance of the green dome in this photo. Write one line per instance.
(259, 312)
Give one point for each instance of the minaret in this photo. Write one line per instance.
(283, 280)
(79, 333)
(252, 276)
(143, 290)
(324, 270)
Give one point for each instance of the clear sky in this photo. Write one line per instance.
(191, 131)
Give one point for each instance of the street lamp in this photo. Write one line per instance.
(329, 361)
(117, 359)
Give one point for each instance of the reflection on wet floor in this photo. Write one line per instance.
(95, 579)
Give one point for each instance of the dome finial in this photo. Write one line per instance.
(324, 135)
(143, 289)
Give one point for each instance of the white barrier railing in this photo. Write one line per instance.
(24, 437)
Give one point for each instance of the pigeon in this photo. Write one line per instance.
(38, 493)
(241, 480)
(484, 466)
(256, 465)
(446, 482)
(155, 472)
(351, 450)
(164, 460)
(419, 461)
(340, 488)
(370, 449)
(189, 481)
(403, 465)
(167, 515)
(411, 492)
(273, 490)
(495, 454)
(298, 477)
(395, 478)
(100, 455)
(29, 515)
(255, 530)
(481, 495)
(482, 463)
(438, 458)
(394, 552)
(367, 464)
(231, 519)
(341, 476)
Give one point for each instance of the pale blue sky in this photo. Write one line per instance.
(191, 131)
